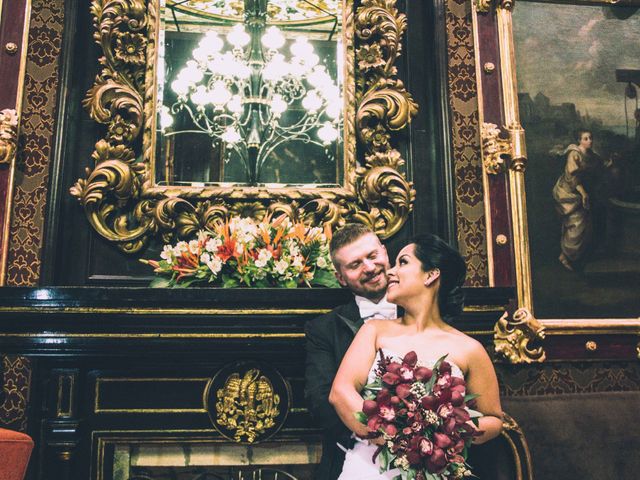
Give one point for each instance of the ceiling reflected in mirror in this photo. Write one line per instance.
(250, 93)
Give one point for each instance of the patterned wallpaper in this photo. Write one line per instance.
(36, 137)
(465, 140)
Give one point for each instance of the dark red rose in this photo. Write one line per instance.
(391, 378)
(393, 367)
(441, 440)
(388, 413)
(395, 400)
(403, 390)
(457, 381)
(461, 415)
(384, 396)
(429, 402)
(437, 461)
(414, 457)
(449, 425)
(410, 359)
(390, 429)
(423, 374)
(457, 399)
(444, 396)
(370, 407)
(459, 446)
(426, 446)
(445, 367)
(407, 430)
(406, 374)
(458, 388)
(374, 423)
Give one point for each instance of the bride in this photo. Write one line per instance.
(426, 281)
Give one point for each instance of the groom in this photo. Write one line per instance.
(361, 264)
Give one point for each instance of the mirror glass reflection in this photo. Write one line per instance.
(250, 92)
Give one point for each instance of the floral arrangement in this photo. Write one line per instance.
(423, 415)
(244, 252)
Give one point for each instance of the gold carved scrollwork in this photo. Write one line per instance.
(513, 336)
(247, 405)
(8, 134)
(124, 205)
(483, 6)
(494, 148)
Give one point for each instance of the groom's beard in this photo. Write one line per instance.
(373, 285)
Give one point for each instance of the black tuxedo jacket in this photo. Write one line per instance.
(328, 338)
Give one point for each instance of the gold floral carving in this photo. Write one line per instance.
(118, 193)
(494, 149)
(483, 6)
(247, 406)
(513, 336)
(8, 134)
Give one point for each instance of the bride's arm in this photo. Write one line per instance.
(482, 380)
(352, 376)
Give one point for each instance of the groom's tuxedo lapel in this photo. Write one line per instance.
(350, 316)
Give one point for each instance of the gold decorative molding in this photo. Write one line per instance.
(513, 335)
(484, 6)
(494, 149)
(119, 196)
(247, 406)
(8, 135)
(516, 439)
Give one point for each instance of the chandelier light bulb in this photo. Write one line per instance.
(238, 37)
(180, 86)
(273, 38)
(333, 110)
(319, 78)
(275, 69)
(230, 136)
(200, 96)
(219, 94)
(311, 61)
(166, 120)
(235, 104)
(327, 133)
(278, 105)
(302, 48)
(211, 42)
(312, 101)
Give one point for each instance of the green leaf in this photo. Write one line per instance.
(325, 278)
(160, 282)
(411, 474)
(361, 417)
(291, 283)
(229, 282)
(474, 413)
(384, 460)
(470, 396)
(397, 477)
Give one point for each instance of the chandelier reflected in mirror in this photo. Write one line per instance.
(262, 94)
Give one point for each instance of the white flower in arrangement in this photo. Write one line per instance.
(194, 247)
(294, 250)
(297, 262)
(205, 258)
(214, 264)
(308, 276)
(180, 247)
(321, 262)
(281, 266)
(202, 236)
(212, 244)
(167, 253)
(263, 258)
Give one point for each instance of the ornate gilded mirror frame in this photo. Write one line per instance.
(520, 337)
(118, 194)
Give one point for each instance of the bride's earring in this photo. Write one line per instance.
(433, 276)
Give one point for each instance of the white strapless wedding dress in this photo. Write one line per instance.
(357, 462)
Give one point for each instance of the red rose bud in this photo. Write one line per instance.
(459, 446)
(457, 459)
(370, 407)
(449, 426)
(445, 396)
(445, 367)
(390, 429)
(461, 415)
(374, 423)
(393, 367)
(388, 413)
(403, 390)
(458, 388)
(455, 381)
(395, 400)
(436, 461)
(407, 430)
(414, 457)
(384, 396)
(390, 378)
(423, 374)
(429, 402)
(456, 399)
(410, 359)
(441, 440)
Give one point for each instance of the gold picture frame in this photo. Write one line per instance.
(118, 194)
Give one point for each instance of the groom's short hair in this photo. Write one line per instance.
(346, 235)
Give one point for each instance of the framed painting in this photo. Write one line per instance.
(559, 84)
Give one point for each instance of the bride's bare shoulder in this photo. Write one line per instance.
(469, 344)
(382, 326)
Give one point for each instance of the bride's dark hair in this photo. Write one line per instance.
(433, 252)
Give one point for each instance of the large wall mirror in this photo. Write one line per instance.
(217, 108)
(250, 93)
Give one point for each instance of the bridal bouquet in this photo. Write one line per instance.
(244, 252)
(422, 414)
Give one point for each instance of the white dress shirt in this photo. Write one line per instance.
(382, 309)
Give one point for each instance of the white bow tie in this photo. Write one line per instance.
(382, 309)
